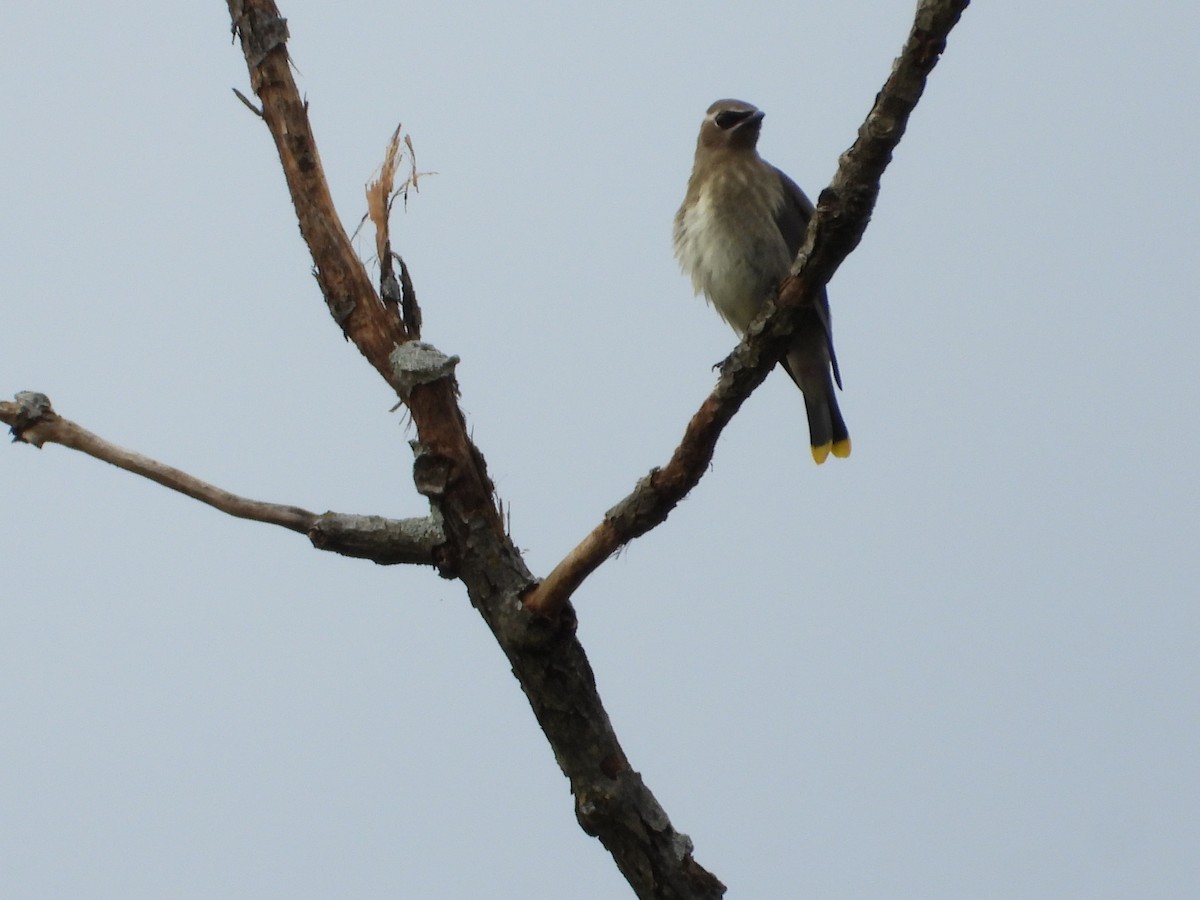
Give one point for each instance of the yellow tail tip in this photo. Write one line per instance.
(840, 449)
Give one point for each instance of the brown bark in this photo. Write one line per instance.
(611, 802)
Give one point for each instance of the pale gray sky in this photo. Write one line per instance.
(961, 664)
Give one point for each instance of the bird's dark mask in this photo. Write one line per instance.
(730, 119)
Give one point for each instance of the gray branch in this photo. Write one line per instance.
(386, 541)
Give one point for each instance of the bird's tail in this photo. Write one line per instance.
(826, 429)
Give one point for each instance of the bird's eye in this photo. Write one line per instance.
(726, 119)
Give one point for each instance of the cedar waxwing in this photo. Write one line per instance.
(737, 234)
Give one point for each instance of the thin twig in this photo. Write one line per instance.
(246, 100)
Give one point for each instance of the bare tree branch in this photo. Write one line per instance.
(344, 282)
(843, 212)
(385, 541)
(611, 801)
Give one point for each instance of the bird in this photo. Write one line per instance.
(737, 233)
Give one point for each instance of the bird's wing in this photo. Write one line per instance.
(792, 217)
(792, 220)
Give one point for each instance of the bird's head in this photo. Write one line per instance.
(732, 124)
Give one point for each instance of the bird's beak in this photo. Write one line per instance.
(752, 120)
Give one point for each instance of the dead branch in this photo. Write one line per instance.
(385, 541)
(611, 801)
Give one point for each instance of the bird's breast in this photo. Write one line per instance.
(726, 239)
